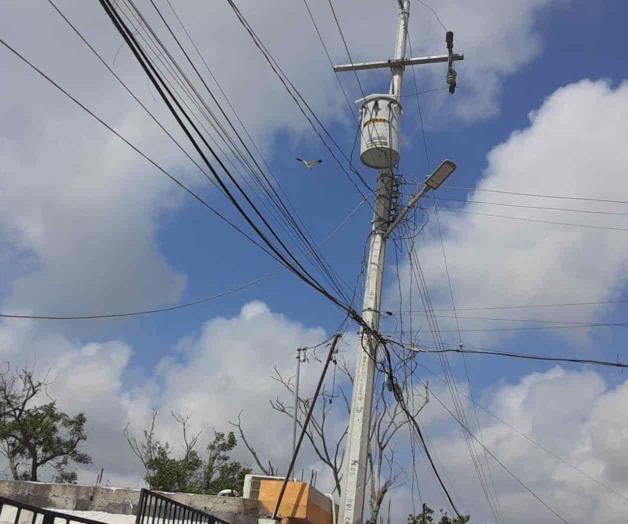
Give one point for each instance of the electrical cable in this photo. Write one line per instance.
(151, 311)
(492, 497)
(220, 88)
(538, 328)
(559, 197)
(331, 63)
(122, 83)
(294, 266)
(169, 99)
(530, 306)
(414, 424)
(420, 113)
(340, 84)
(268, 187)
(603, 363)
(589, 226)
(346, 46)
(218, 85)
(535, 442)
(300, 101)
(415, 267)
(501, 464)
(155, 45)
(173, 307)
(424, 92)
(503, 204)
(434, 12)
(494, 319)
(130, 144)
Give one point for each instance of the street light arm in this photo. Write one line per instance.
(404, 213)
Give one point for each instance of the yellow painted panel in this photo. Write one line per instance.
(301, 504)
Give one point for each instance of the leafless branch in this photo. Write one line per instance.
(269, 470)
(188, 442)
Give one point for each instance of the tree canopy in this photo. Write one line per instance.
(191, 472)
(427, 517)
(33, 435)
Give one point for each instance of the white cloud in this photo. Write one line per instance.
(497, 38)
(80, 217)
(567, 425)
(227, 367)
(223, 370)
(80, 213)
(574, 145)
(87, 378)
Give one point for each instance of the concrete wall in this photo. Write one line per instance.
(121, 501)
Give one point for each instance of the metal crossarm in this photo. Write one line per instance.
(392, 63)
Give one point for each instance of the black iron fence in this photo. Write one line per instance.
(155, 508)
(13, 511)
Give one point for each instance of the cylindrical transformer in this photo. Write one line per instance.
(379, 146)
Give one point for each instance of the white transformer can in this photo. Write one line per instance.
(380, 117)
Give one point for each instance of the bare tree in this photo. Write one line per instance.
(146, 448)
(327, 437)
(382, 471)
(189, 442)
(266, 469)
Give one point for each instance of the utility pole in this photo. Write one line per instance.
(300, 358)
(380, 128)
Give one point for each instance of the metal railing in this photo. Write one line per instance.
(13, 511)
(155, 508)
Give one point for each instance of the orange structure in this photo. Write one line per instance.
(301, 503)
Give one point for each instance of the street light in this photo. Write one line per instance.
(433, 181)
(440, 174)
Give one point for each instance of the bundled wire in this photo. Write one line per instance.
(304, 107)
(483, 476)
(287, 218)
(279, 249)
(466, 429)
(415, 425)
(509, 354)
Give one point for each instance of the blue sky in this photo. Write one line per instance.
(89, 228)
(213, 258)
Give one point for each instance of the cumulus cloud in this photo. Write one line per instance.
(226, 367)
(89, 378)
(572, 146)
(80, 217)
(67, 187)
(566, 426)
(212, 376)
(498, 39)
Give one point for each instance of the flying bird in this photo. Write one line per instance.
(309, 164)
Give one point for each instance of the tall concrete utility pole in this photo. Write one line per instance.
(379, 149)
